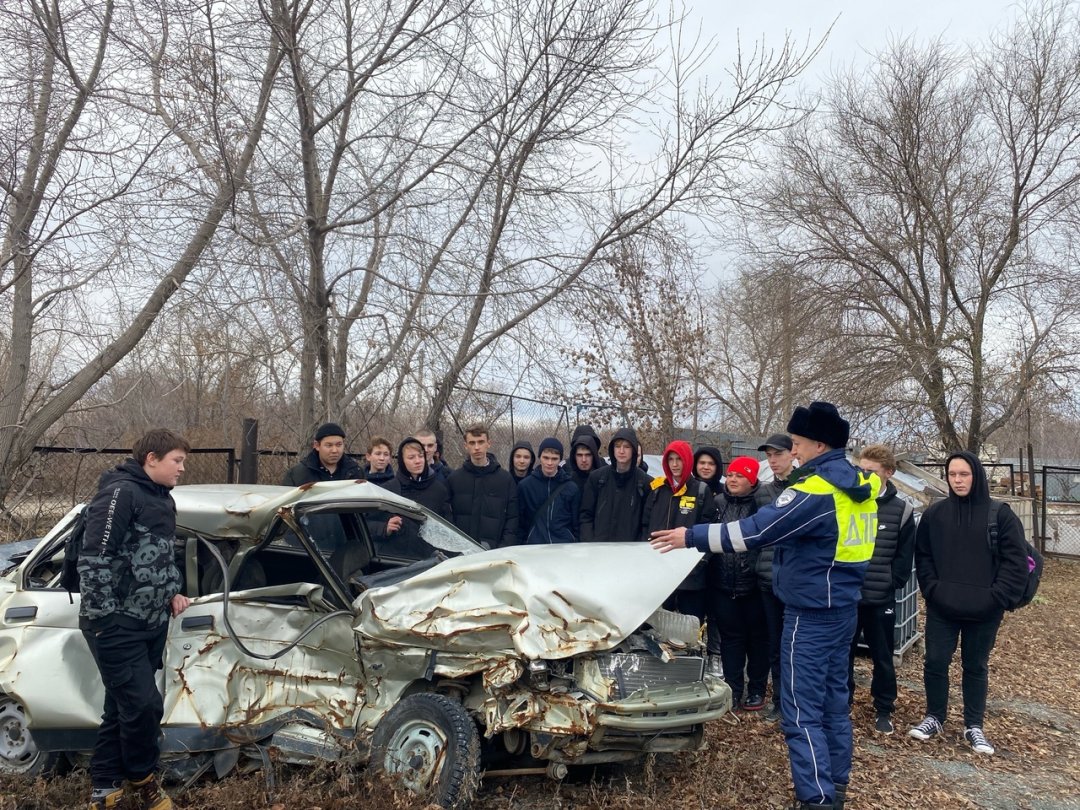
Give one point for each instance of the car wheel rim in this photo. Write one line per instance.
(415, 754)
(17, 750)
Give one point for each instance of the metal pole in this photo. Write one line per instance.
(513, 432)
(249, 452)
(1041, 542)
(230, 461)
(1034, 500)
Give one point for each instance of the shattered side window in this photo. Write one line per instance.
(445, 537)
(415, 539)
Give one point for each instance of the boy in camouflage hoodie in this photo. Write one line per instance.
(130, 585)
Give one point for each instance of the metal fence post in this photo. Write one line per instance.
(230, 472)
(249, 452)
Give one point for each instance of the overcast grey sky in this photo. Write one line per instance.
(860, 26)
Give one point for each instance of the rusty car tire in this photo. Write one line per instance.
(18, 754)
(429, 743)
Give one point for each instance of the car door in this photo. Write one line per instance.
(252, 671)
(44, 660)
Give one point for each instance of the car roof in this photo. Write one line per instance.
(245, 510)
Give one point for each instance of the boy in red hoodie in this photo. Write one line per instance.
(677, 499)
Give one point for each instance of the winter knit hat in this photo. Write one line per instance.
(745, 466)
(821, 422)
(329, 429)
(550, 443)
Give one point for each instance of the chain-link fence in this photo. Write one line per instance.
(57, 478)
(1061, 510)
(509, 419)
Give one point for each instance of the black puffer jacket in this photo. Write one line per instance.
(957, 573)
(612, 502)
(766, 494)
(733, 573)
(127, 567)
(894, 545)
(310, 470)
(484, 502)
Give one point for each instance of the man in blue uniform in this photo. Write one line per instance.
(823, 527)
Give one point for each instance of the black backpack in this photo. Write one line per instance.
(1034, 558)
(69, 574)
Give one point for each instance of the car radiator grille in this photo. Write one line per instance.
(634, 671)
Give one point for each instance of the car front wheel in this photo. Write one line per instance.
(18, 754)
(429, 743)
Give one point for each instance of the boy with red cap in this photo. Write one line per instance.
(734, 600)
(676, 499)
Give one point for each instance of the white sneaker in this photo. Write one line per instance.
(979, 743)
(928, 728)
(716, 667)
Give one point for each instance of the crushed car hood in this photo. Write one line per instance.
(551, 601)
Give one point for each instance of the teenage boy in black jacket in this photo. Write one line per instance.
(614, 495)
(890, 569)
(967, 590)
(483, 496)
(130, 585)
(326, 461)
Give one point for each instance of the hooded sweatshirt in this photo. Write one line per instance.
(712, 482)
(127, 568)
(510, 465)
(593, 446)
(673, 502)
(823, 528)
(427, 489)
(613, 501)
(588, 430)
(958, 575)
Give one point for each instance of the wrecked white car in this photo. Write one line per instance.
(314, 632)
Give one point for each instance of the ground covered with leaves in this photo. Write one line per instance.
(1033, 719)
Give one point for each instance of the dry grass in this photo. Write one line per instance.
(1033, 720)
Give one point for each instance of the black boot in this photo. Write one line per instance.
(839, 796)
(809, 806)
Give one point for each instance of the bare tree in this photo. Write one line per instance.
(932, 195)
(93, 248)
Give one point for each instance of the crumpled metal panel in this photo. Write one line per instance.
(536, 602)
(245, 510)
(211, 683)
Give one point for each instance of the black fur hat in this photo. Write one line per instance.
(821, 422)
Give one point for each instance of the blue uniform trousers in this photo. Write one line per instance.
(814, 699)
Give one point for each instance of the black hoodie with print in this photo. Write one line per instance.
(612, 502)
(958, 574)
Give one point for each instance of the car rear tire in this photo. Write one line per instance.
(18, 754)
(429, 743)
